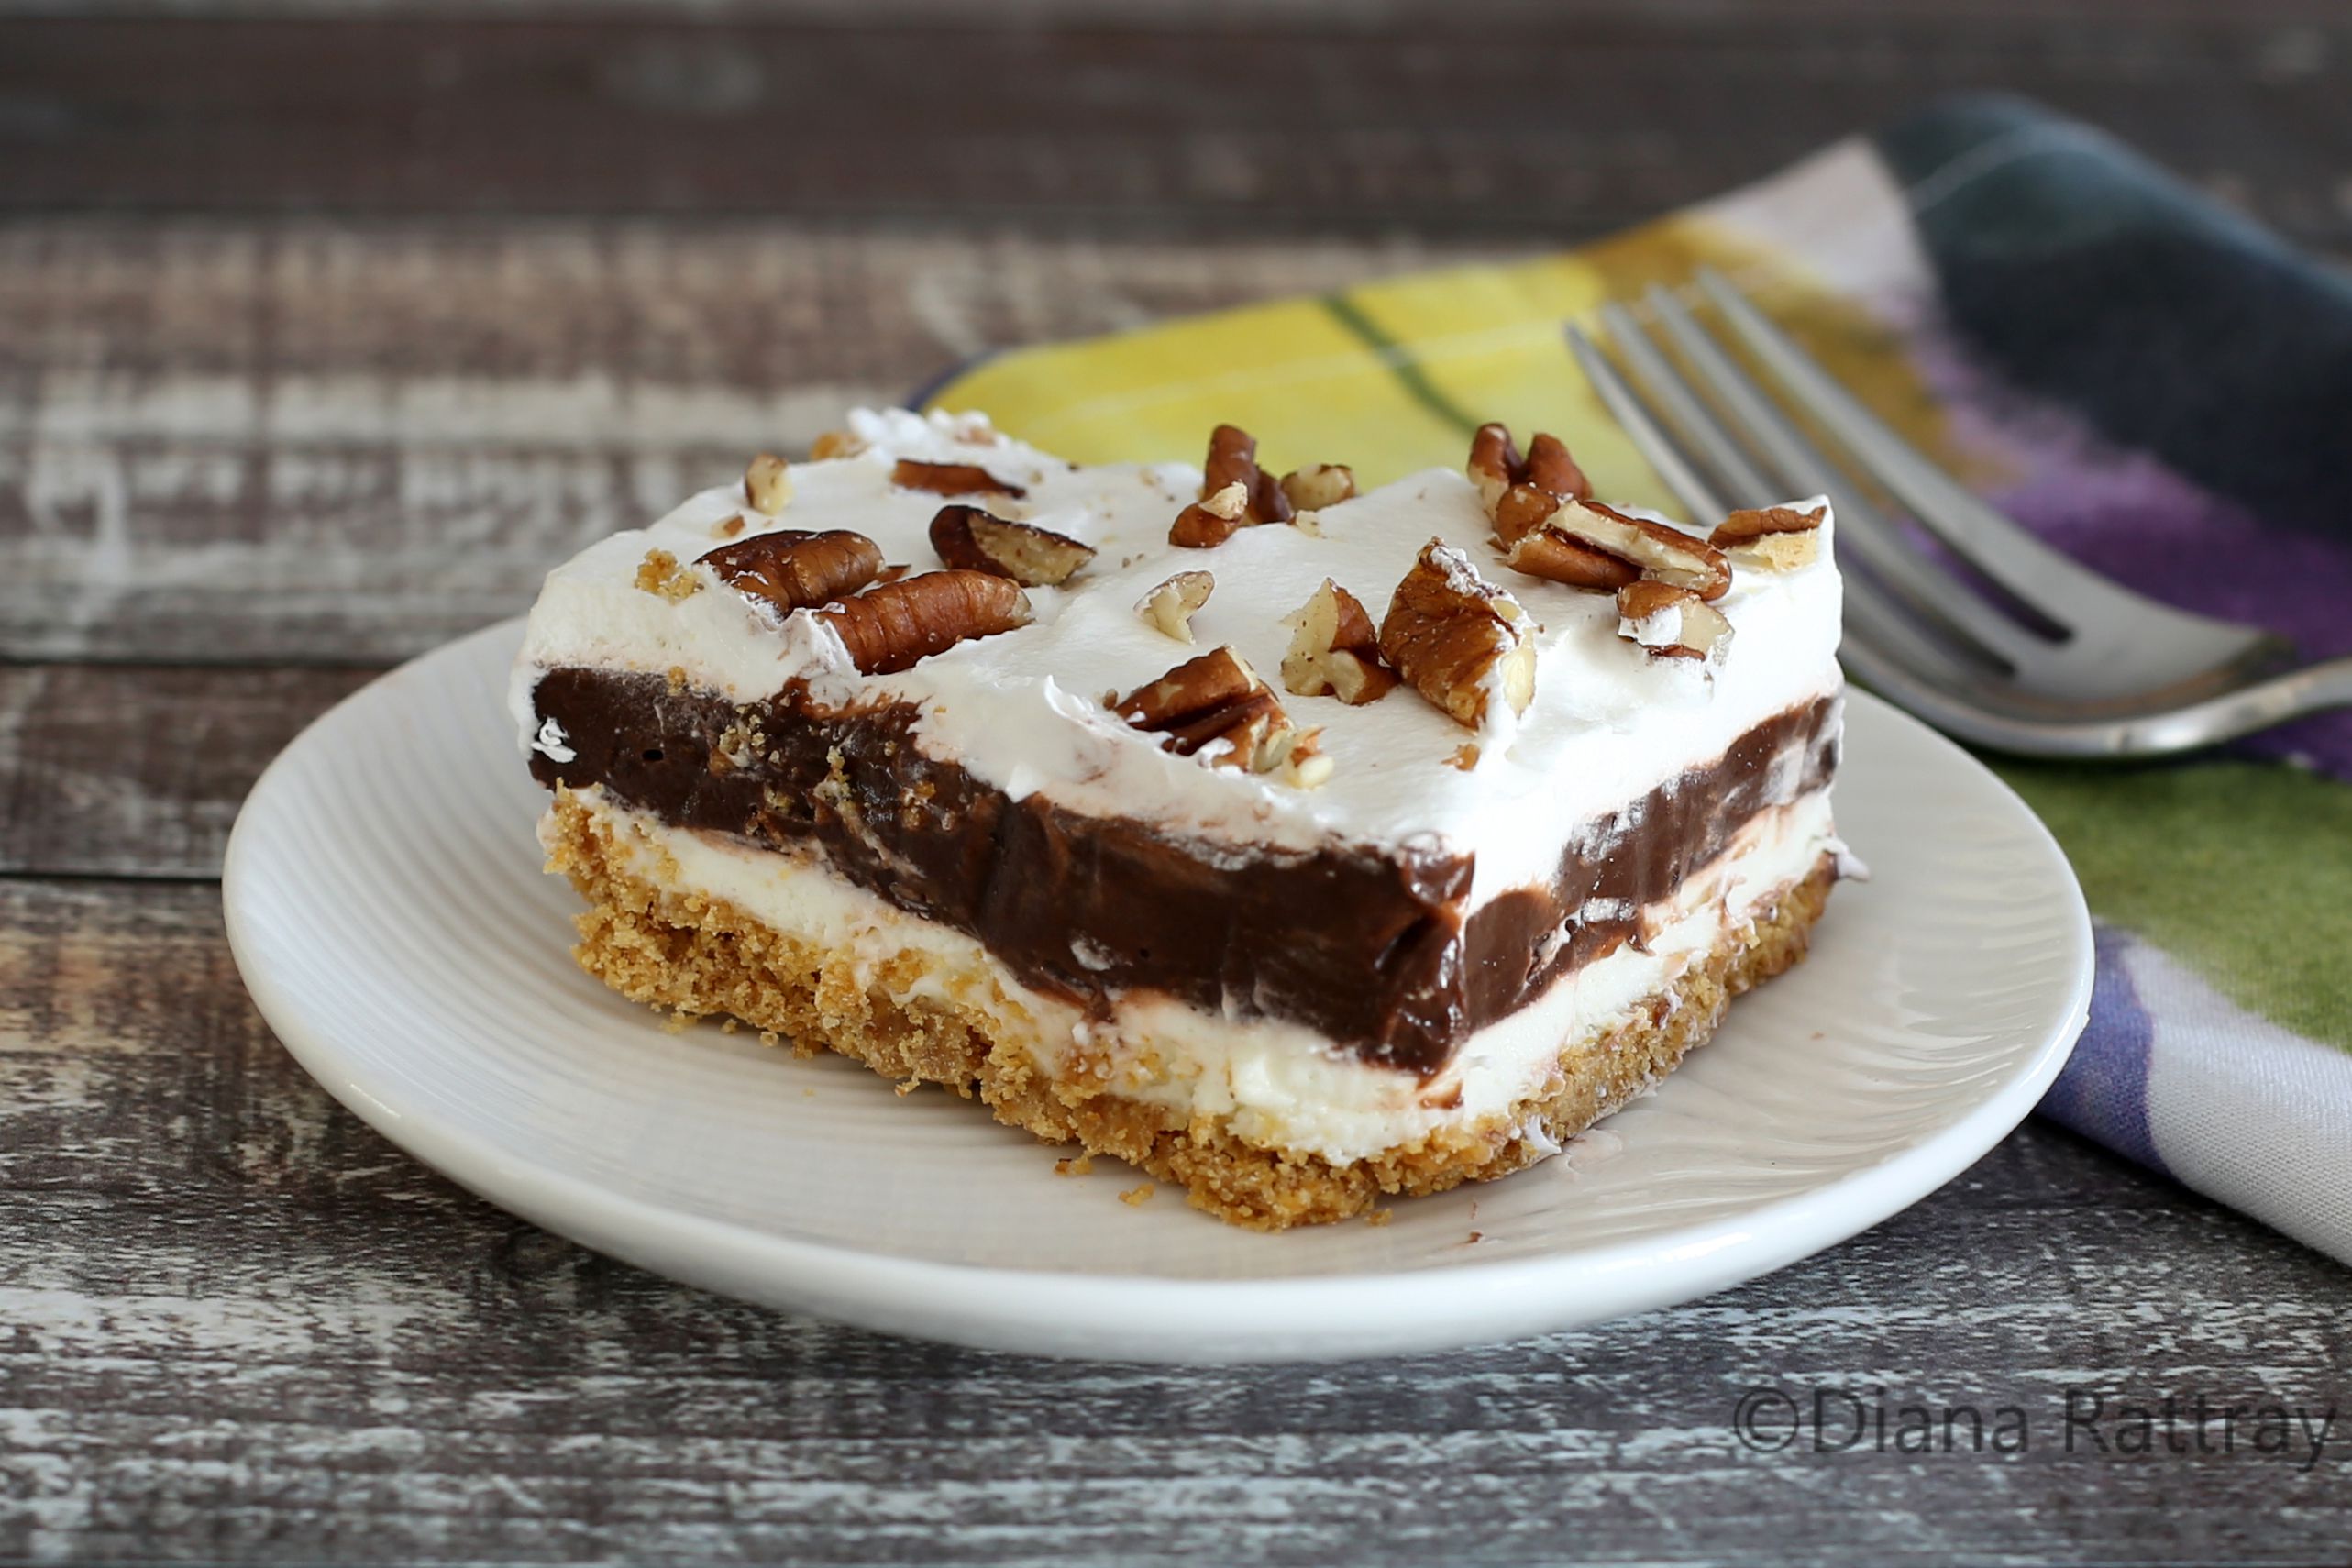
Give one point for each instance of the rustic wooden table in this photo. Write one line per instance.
(320, 339)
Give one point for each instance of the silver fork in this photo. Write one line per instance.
(2074, 665)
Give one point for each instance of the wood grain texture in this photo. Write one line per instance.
(238, 1322)
(1530, 122)
(295, 443)
(322, 332)
(134, 770)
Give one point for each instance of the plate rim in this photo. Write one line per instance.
(1146, 1316)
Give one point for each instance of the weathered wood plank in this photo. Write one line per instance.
(295, 443)
(137, 771)
(1582, 121)
(236, 1322)
(1275, 18)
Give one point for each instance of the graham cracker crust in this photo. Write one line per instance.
(697, 957)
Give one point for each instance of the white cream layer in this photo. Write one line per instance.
(1281, 1085)
(1025, 710)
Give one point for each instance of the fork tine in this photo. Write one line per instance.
(1692, 421)
(2024, 566)
(1885, 634)
(1648, 435)
(2117, 640)
(1923, 586)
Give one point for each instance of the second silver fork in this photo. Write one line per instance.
(2073, 664)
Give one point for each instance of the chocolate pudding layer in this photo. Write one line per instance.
(1376, 947)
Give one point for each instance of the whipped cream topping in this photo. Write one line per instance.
(1025, 710)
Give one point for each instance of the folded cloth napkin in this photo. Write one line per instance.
(2147, 381)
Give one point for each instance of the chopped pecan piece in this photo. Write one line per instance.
(1334, 648)
(1524, 509)
(1496, 468)
(794, 568)
(834, 444)
(1323, 484)
(951, 478)
(899, 624)
(1171, 605)
(1459, 639)
(1209, 522)
(1556, 557)
(1670, 622)
(1549, 467)
(1233, 460)
(1653, 550)
(1772, 538)
(660, 573)
(1199, 700)
(976, 540)
(1218, 701)
(768, 484)
(1302, 764)
(1495, 464)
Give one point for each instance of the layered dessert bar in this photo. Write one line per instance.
(1295, 845)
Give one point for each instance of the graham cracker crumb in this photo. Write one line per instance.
(660, 573)
(1136, 1197)
(728, 527)
(1379, 1217)
(1465, 757)
(700, 956)
(1082, 1164)
(676, 676)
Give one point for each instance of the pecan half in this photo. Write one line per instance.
(1171, 605)
(1459, 639)
(1772, 538)
(768, 484)
(951, 478)
(1319, 485)
(899, 624)
(1670, 622)
(976, 540)
(1653, 550)
(1233, 460)
(1209, 521)
(1334, 648)
(1496, 468)
(793, 568)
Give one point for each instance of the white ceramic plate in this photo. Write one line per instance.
(386, 904)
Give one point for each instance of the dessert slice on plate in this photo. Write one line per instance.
(1296, 844)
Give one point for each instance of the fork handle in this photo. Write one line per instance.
(2265, 704)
